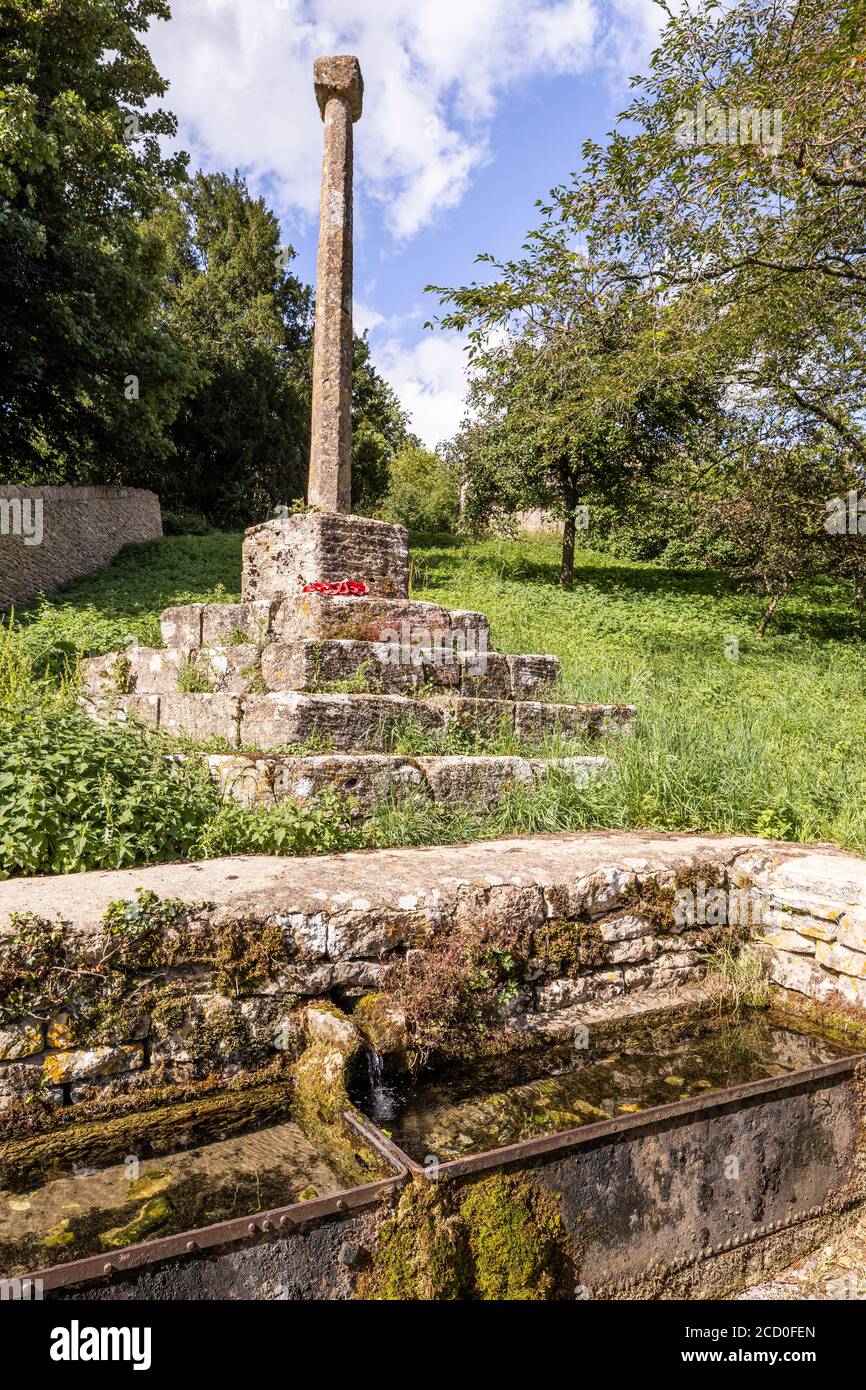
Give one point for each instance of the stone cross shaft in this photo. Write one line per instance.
(339, 92)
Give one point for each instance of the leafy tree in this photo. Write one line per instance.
(581, 388)
(738, 167)
(242, 434)
(423, 491)
(769, 507)
(87, 381)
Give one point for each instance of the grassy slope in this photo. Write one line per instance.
(771, 743)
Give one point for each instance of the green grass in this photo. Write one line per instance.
(124, 601)
(771, 743)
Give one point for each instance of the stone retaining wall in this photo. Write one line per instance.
(209, 973)
(52, 535)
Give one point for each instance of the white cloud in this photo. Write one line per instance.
(435, 72)
(631, 33)
(429, 378)
(365, 317)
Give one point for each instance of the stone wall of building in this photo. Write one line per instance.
(537, 522)
(52, 535)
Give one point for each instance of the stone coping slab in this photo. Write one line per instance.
(404, 878)
(371, 779)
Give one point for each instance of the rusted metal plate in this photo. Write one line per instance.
(640, 1194)
(651, 1193)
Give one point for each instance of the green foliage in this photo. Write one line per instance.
(733, 734)
(80, 167)
(183, 524)
(737, 978)
(74, 795)
(193, 678)
(766, 228)
(287, 828)
(103, 611)
(460, 987)
(243, 431)
(693, 304)
(132, 922)
(32, 956)
(582, 387)
(765, 740)
(153, 333)
(422, 492)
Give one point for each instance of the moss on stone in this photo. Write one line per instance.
(150, 1184)
(60, 1237)
(321, 1099)
(147, 1220)
(835, 1017)
(656, 901)
(120, 674)
(247, 953)
(105, 1140)
(421, 1250)
(500, 1238)
(571, 946)
(516, 1242)
(382, 1024)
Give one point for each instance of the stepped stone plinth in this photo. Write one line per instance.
(292, 671)
(350, 675)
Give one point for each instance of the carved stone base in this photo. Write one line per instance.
(280, 557)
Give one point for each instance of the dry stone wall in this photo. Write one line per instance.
(52, 535)
(220, 985)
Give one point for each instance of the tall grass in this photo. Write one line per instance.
(771, 743)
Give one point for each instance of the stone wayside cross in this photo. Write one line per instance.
(327, 543)
(339, 92)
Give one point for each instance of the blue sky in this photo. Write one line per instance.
(473, 110)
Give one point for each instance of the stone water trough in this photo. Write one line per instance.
(261, 1019)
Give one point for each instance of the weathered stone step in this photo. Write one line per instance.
(355, 722)
(371, 779)
(390, 668)
(232, 670)
(218, 624)
(377, 668)
(411, 622)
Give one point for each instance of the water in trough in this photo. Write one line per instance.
(449, 1113)
(93, 1211)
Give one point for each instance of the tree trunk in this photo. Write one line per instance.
(566, 573)
(770, 609)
